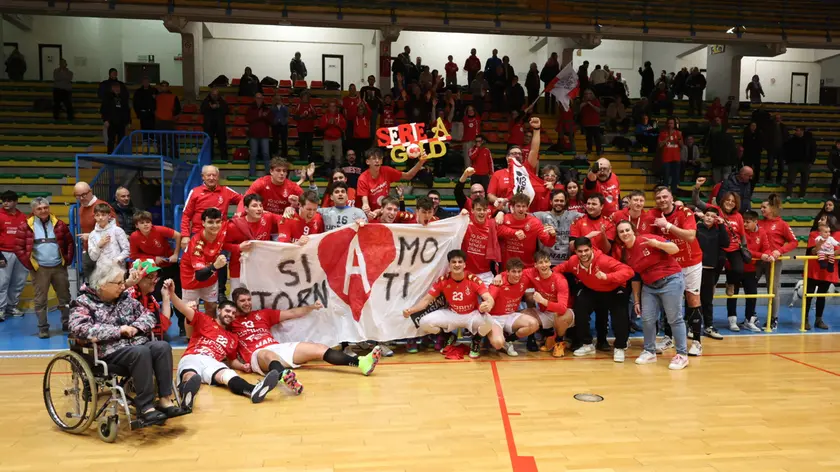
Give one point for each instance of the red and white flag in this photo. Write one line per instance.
(564, 87)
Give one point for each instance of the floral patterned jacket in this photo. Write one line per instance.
(92, 318)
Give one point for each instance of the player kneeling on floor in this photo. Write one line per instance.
(211, 344)
(265, 354)
(507, 291)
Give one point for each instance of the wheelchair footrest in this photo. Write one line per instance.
(140, 423)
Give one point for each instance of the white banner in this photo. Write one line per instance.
(365, 277)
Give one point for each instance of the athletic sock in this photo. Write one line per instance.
(695, 318)
(511, 337)
(334, 357)
(276, 365)
(240, 386)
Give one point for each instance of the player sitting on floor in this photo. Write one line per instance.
(507, 291)
(551, 294)
(210, 344)
(264, 353)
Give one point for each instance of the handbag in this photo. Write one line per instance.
(746, 254)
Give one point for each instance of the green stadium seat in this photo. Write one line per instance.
(237, 178)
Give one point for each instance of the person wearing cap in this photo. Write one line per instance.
(140, 285)
(12, 272)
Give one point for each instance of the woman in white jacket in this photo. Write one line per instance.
(107, 240)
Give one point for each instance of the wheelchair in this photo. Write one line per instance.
(93, 391)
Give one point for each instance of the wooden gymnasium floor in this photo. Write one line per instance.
(761, 403)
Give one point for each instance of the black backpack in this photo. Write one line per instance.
(220, 81)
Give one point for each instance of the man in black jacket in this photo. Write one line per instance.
(104, 92)
(215, 109)
(124, 209)
(776, 137)
(695, 84)
(740, 183)
(116, 115)
(297, 68)
(144, 104)
(720, 146)
(515, 95)
(647, 80)
(800, 154)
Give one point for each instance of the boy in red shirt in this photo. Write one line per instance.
(670, 146)
(472, 128)
(333, 125)
(590, 120)
(507, 291)
(202, 260)
(12, 273)
(520, 232)
(276, 189)
(153, 243)
(461, 290)
(759, 246)
(634, 212)
(481, 241)
(375, 183)
(552, 299)
(306, 117)
(361, 129)
(481, 161)
(451, 72)
(595, 226)
(308, 221)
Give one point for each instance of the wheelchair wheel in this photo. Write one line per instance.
(70, 392)
(108, 428)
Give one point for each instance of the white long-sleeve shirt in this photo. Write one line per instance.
(116, 250)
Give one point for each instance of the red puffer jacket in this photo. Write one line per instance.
(25, 241)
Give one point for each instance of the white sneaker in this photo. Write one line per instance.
(647, 357)
(696, 349)
(349, 351)
(510, 350)
(618, 355)
(733, 324)
(678, 362)
(385, 350)
(585, 350)
(712, 332)
(664, 345)
(485, 327)
(750, 325)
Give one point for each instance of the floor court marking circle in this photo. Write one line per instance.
(589, 397)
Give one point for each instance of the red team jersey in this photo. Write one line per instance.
(462, 295)
(640, 222)
(472, 128)
(781, 236)
(555, 289)
(479, 243)
(376, 189)
(156, 244)
(300, 228)
(254, 331)
(650, 263)
(690, 253)
(275, 198)
(481, 160)
(610, 189)
(210, 339)
(585, 225)
(759, 245)
(524, 249)
(198, 255)
(671, 150)
(239, 230)
(508, 296)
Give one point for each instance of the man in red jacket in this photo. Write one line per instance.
(451, 72)
(481, 161)
(520, 232)
(552, 300)
(259, 118)
(202, 260)
(595, 226)
(603, 289)
(333, 125)
(44, 245)
(276, 190)
(306, 117)
(207, 195)
(12, 272)
(472, 66)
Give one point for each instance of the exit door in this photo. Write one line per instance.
(49, 56)
(332, 69)
(798, 87)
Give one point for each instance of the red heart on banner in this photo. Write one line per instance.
(376, 245)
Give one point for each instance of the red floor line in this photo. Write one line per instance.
(533, 359)
(519, 463)
(808, 365)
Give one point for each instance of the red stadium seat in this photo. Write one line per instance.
(300, 84)
(503, 126)
(284, 92)
(317, 102)
(293, 133)
(240, 121)
(199, 119)
(492, 137)
(239, 132)
(285, 84)
(242, 109)
(230, 119)
(190, 108)
(316, 84)
(184, 119)
(234, 82)
(232, 99)
(246, 100)
(269, 91)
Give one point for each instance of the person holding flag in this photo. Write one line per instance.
(521, 175)
(564, 87)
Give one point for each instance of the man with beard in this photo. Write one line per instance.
(601, 180)
(603, 289)
(263, 354)
(677, 224)
(501, 185)
(210, 344)
(595, 225)
(561, 220)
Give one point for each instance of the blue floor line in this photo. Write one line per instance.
(21, 334)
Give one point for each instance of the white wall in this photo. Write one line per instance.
(775, 74)
(831, 71)
(91, 46)
(622, 56)
(434, 47)
(267, 50)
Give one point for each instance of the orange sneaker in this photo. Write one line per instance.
(559, 350)
(549, 344)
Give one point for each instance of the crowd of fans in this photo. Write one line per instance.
(533, 267)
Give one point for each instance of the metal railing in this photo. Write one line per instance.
(769, 295)
(805, 294)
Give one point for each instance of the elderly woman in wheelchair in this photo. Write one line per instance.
(119, 328)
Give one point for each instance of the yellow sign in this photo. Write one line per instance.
(436, 147)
